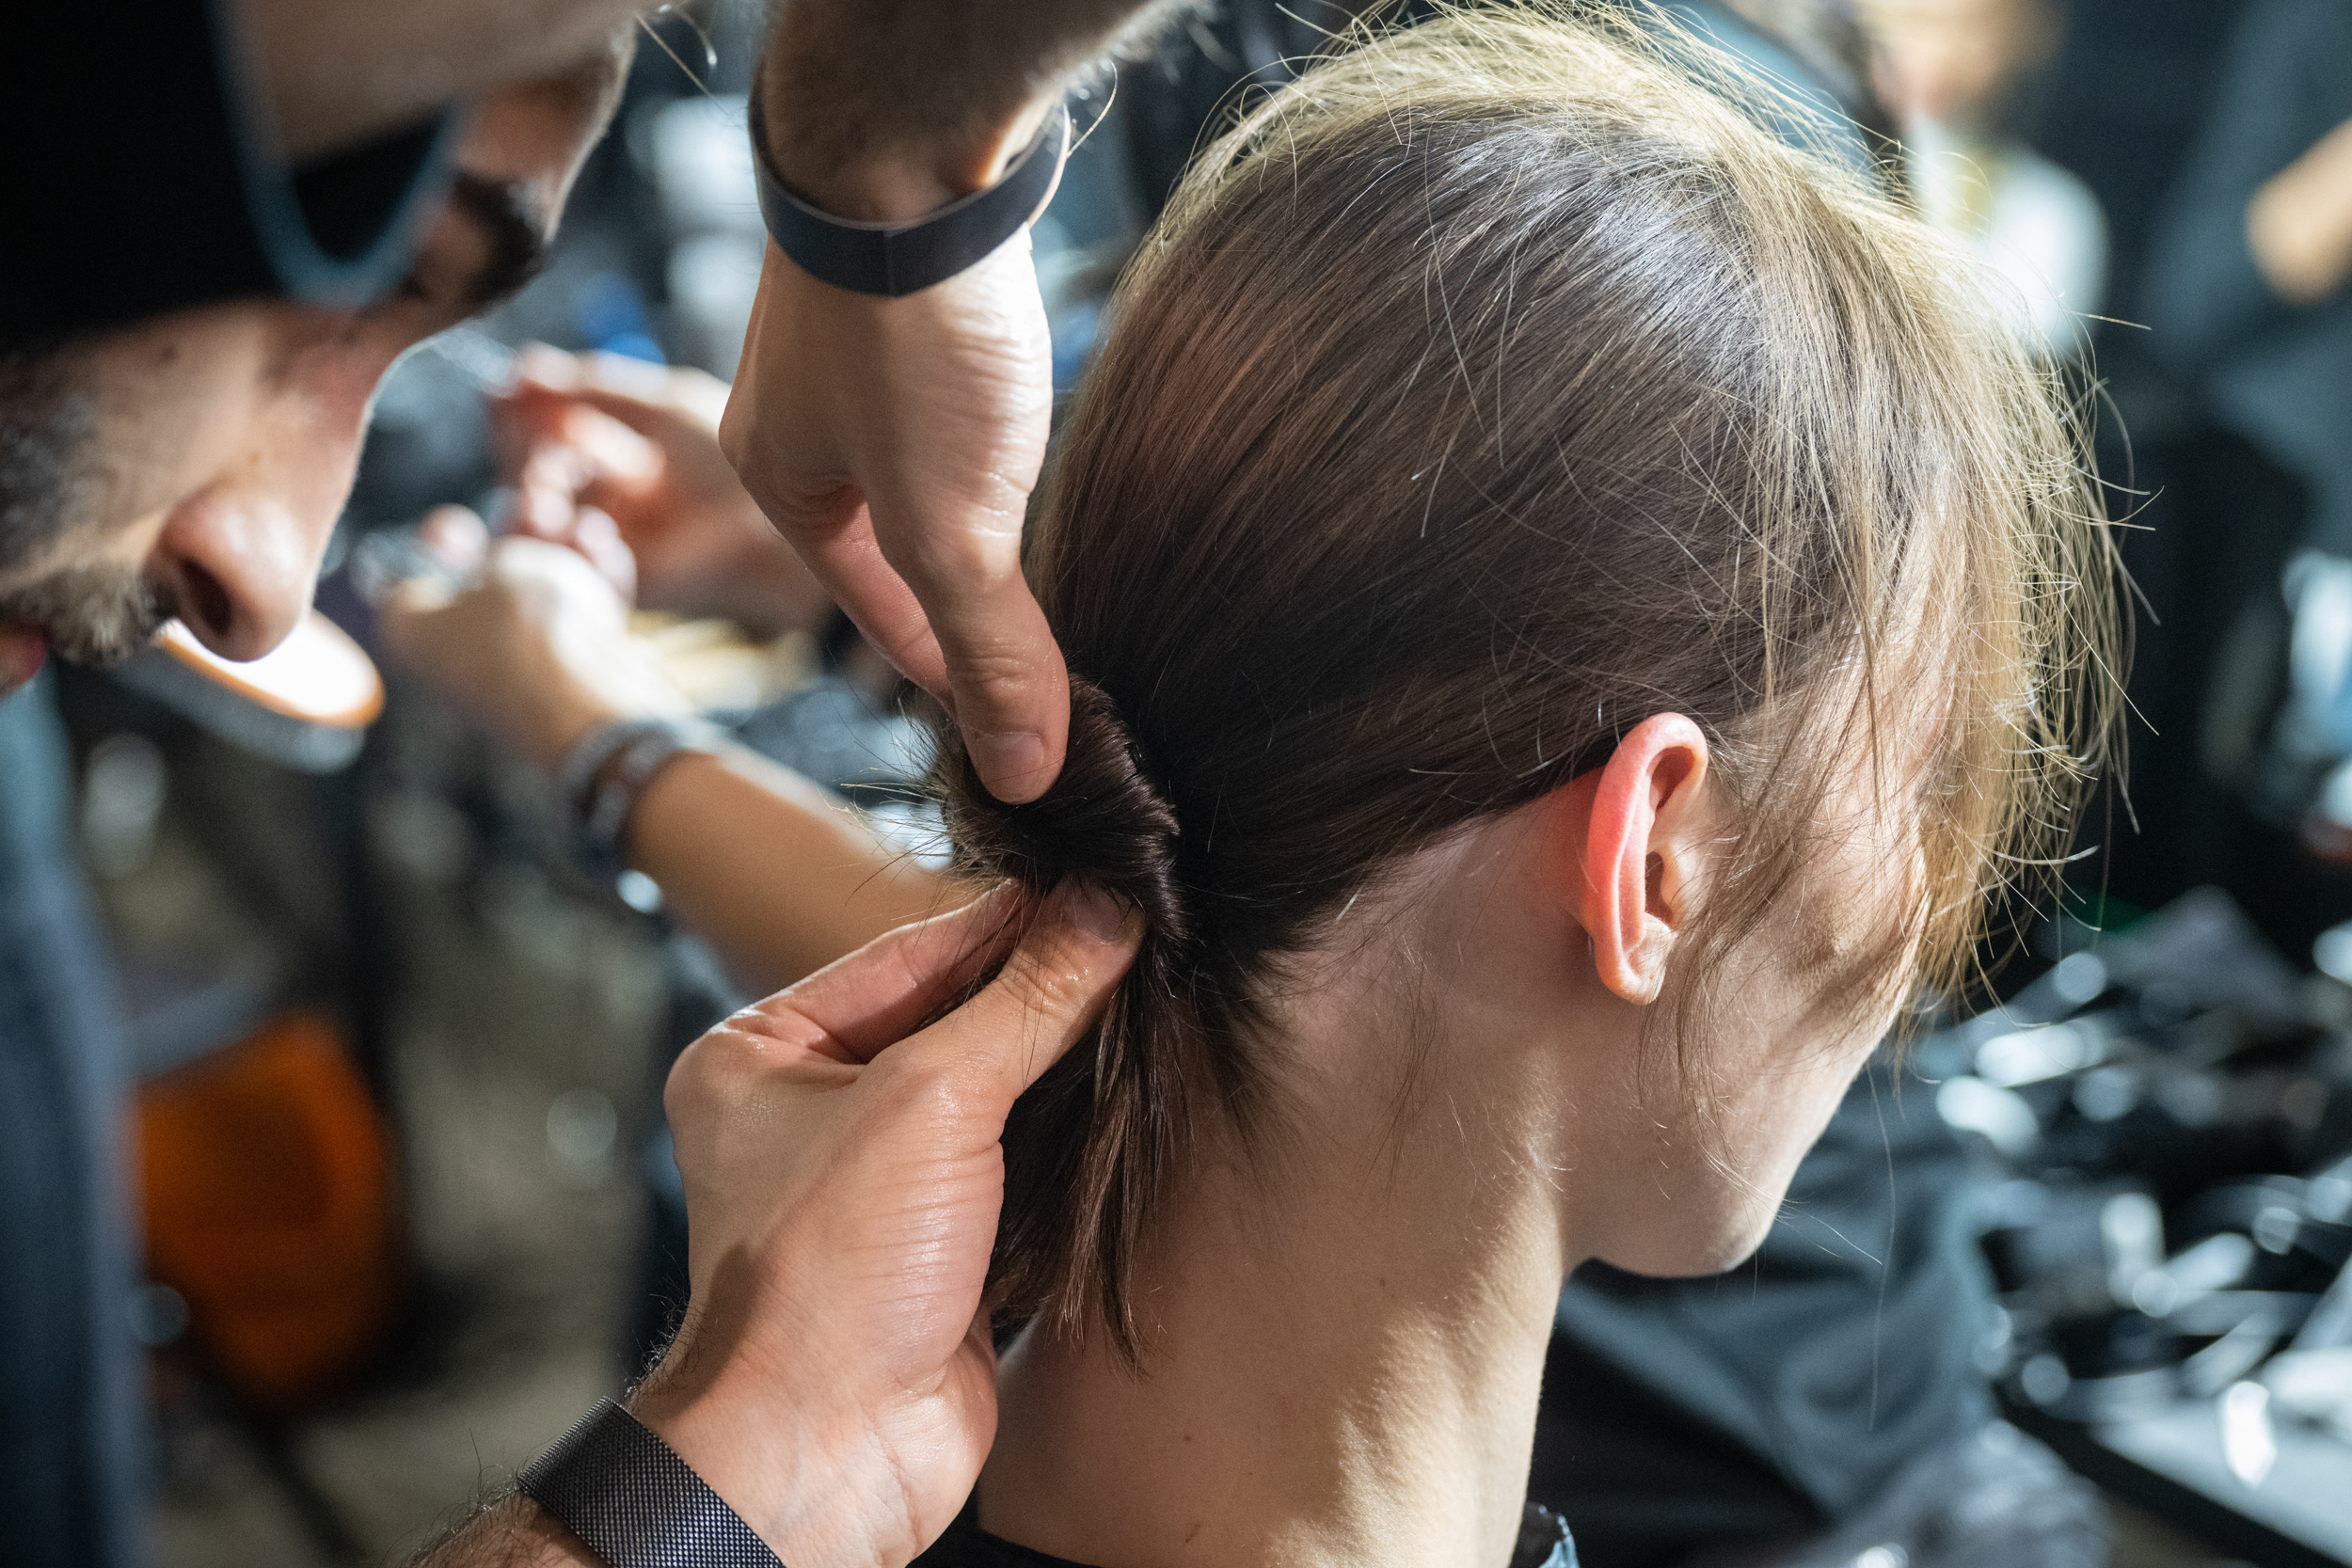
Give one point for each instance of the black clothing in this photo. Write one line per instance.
(1543, 1543)
(2278, 374)
(71, 1447)
(139, 178)
(1764, 1404)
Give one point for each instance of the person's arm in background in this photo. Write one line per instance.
(776, 874)
(896, 441)
(2209, 288)
(2299, 224)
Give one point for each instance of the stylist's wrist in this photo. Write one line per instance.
(898, 180)
(807, 1475)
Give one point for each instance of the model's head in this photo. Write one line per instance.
(194, 465)
(1534, 544)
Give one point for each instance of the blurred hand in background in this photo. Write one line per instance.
(536, 648)
(640, 443)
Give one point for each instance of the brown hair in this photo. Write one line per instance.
(1490, 389)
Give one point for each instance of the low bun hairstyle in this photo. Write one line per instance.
(1487, 389)
(1090, 1147)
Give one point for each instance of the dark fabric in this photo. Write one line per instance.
(2278, 374)
(1764, 1404)
(72, 1450)
(1543, 1542)
(635, 1502)
(137, 181)
(1994, 1499)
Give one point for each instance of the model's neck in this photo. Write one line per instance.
(1344, 1350)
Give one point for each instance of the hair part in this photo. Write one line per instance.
(1489, 388)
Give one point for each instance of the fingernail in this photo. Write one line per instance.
(1095, 911)
(1012, 763)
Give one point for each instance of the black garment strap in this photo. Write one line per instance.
(634, 1502)
(895, 260)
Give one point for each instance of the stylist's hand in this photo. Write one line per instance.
(895, 442)
(834, 1379)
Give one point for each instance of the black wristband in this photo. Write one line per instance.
(634, 1502)
(898, 258)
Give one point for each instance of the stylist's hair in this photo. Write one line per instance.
(1486, 391)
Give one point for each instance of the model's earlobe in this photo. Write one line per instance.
(1637, 881)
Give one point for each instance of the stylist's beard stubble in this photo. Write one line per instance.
(91, 615)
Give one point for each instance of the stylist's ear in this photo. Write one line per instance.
(1648, 830)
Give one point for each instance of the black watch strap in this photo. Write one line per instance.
(634, 1502)
(899, 259)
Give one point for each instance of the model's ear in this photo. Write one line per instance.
(1647, 832)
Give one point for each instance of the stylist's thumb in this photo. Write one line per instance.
(1051, 991)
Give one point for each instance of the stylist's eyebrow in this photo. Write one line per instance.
(513, 245)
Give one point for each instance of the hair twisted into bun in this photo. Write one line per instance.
(1091, 1146)
(1104, 820)
(1490, 389)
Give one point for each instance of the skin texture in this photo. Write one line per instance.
(246, 419)
(1475, 1098)
(639, 443)
(334, 73)
(837, 1267)
(896, 441)
(778, 875)
(2299, 224)
(1951, 60)
(833, 1379)
(1398, 1259)
(1350, 1325)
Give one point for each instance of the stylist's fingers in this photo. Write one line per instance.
(835, 536)
(859, 1005)
(1006, 684)
(1051, 991)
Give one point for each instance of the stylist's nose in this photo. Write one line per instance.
(241, 554)
(243, 563)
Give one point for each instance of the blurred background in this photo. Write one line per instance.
(408, 1203)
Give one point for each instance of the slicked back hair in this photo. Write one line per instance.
(1491, 388)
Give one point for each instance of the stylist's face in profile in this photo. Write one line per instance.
(209, 452)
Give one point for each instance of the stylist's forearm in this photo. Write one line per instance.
(772, 871)
(2299, 224)
(514, 1532)
(886, 109)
